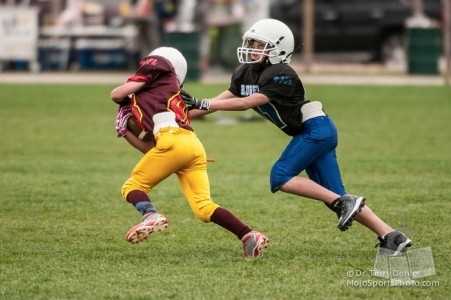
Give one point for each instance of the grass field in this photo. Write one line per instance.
(63, 220)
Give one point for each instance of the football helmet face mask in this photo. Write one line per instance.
(176, 58)
(276, 37)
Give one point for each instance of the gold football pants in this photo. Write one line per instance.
(177, 151)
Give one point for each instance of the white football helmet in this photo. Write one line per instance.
(278, 40)
(176, 58)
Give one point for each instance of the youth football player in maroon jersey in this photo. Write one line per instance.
(152, 96)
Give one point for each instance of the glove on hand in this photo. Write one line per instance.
(193, 102)
(123, 113)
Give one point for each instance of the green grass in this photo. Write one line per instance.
(63, 220)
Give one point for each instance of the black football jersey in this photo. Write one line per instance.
(283, 87)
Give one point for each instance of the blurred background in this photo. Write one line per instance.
(398, 36)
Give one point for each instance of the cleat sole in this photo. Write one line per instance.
(141, 232)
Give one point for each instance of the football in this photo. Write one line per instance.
(136, 130)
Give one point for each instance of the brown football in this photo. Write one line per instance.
(136, 130)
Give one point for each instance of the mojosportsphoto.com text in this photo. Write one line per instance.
(391, 283)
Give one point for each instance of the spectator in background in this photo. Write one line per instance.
(190, 15)
(217, 14)
(254, 10)
(200, 22)
(142, 14)
(81, 13)
(72, 15)
(166, 11)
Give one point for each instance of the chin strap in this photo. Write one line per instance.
(294, 50)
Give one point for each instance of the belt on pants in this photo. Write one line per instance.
(312, 110)
(172, 130)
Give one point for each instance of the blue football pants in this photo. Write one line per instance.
(313, 150)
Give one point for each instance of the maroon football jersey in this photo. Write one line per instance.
(161, 93)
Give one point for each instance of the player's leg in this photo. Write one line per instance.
(318, 140)
(295, 158)
(390, 239)
(195, 186)
(325, 171)
(156, 165)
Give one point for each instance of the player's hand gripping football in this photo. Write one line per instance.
(123, 113)
(194, 103)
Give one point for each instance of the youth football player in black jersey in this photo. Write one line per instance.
(266, 83)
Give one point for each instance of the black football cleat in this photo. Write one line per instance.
(393, 243)
(350, 207)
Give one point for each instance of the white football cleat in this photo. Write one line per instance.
(151, 222)
(254, 244)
